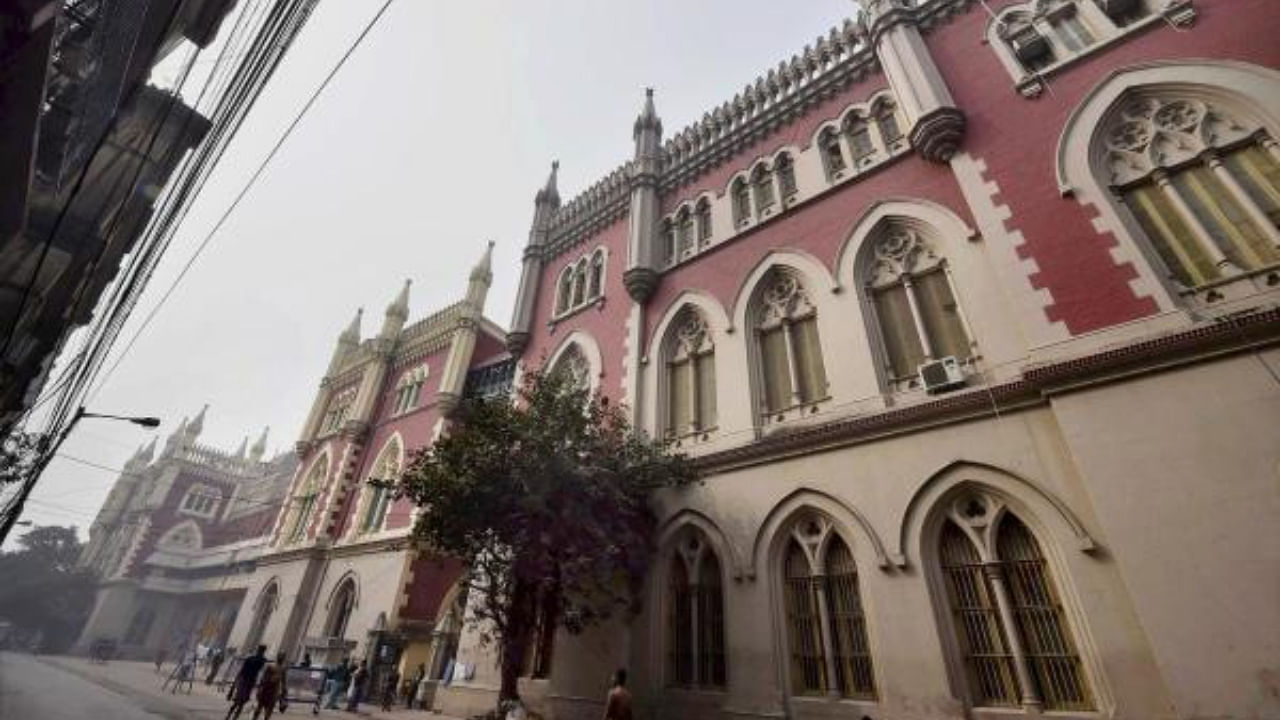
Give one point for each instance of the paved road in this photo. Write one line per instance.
(33, 690)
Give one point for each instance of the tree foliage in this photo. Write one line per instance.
(19, 453)
(547, 500)
(44, 591)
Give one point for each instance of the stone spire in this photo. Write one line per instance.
(196, 426)
(259, 446)
(244, 447)
(545, 205)
(481, 279)
(148, 452)
(396, 315)
(549, 195)
(348, 341)
(643, 251)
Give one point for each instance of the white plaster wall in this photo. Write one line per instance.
(379, 581)
(1184, 470)
(293, 599)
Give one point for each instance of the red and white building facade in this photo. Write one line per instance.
(969, 313)
(339, 577)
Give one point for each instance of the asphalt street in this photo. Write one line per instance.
(33, 690)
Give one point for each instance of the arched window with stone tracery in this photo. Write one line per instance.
(689, 353)
(340, 609)
(913, 300)
(788, 351)
(1201, 178)
(741, 194)
(303, 502)
(825, 619)
(762, 190)
(573, 365)
(703, 215)
(1007, 615)
(695, 615)
(379, 486)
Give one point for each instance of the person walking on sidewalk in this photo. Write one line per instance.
(242, 689)
(618, 704)
(336, 684)
(270, 687)
(390, 687)
(358, 680)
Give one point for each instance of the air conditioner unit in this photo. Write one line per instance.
(941, 375)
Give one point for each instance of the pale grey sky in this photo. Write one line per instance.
(431, 141)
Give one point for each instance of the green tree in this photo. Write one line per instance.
(43, 590)
(19, 453)
(547, 501)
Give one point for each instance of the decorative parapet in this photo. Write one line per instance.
(597, 207)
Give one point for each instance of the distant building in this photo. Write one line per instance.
(341, 576)
(176, 541)
(970, 313)
(72, 74)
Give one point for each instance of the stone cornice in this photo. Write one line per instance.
(1036, 386)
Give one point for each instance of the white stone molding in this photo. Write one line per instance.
(853, 527)
(1036, 505)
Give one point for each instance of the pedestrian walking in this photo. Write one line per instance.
(411, 692)
(270, 688)
(215, 663)
(390, 687)
(356, 691)
(336, 683)
(242, 688)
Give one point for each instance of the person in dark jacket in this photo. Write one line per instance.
(242, 689)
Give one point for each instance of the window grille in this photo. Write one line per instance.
(808, 662)
(988, 660)
(680, 642)
(1051, 655)
(710, 618)
(848, 624)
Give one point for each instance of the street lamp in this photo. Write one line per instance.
(14, 511)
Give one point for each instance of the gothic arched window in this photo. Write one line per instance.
(579, 282)
(886, 115)
(684, 233)
(914, 303)
(573, 365)
(378, 492)
(741, 202)
(695, 615)
(789, 353)
(344, 601)
(859, 136)
(762, 188)
(1202, 181)
(703, 216)
(826, 623)
(595, 285)
(994, 575)
(786, 177)
(409, 389)
(669, 241)
(690, 375)
(832, 153)
(564, 291)
(304, 501)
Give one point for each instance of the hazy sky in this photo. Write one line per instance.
(432, 140)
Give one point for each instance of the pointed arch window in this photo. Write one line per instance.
(690, 376)
(304, 502)
(669, 241)
(786, 177)
(887, 123)
(1201, 180)
(703, 216)
(201, 500)
(1008, 617)
(339, 410)
(579, 282)
(762, 188)
(832, 153)
(826, 623)
(859, 135)
(344, 602)
(741, 202)
(595, 286)
(574, 365)
(409, 390)
(914, 302)
(788, 350)
(380, 486)
(564, 294)
(695, 615)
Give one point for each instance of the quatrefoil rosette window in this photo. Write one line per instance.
(1151, 133)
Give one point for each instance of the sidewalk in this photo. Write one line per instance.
(140, 682)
